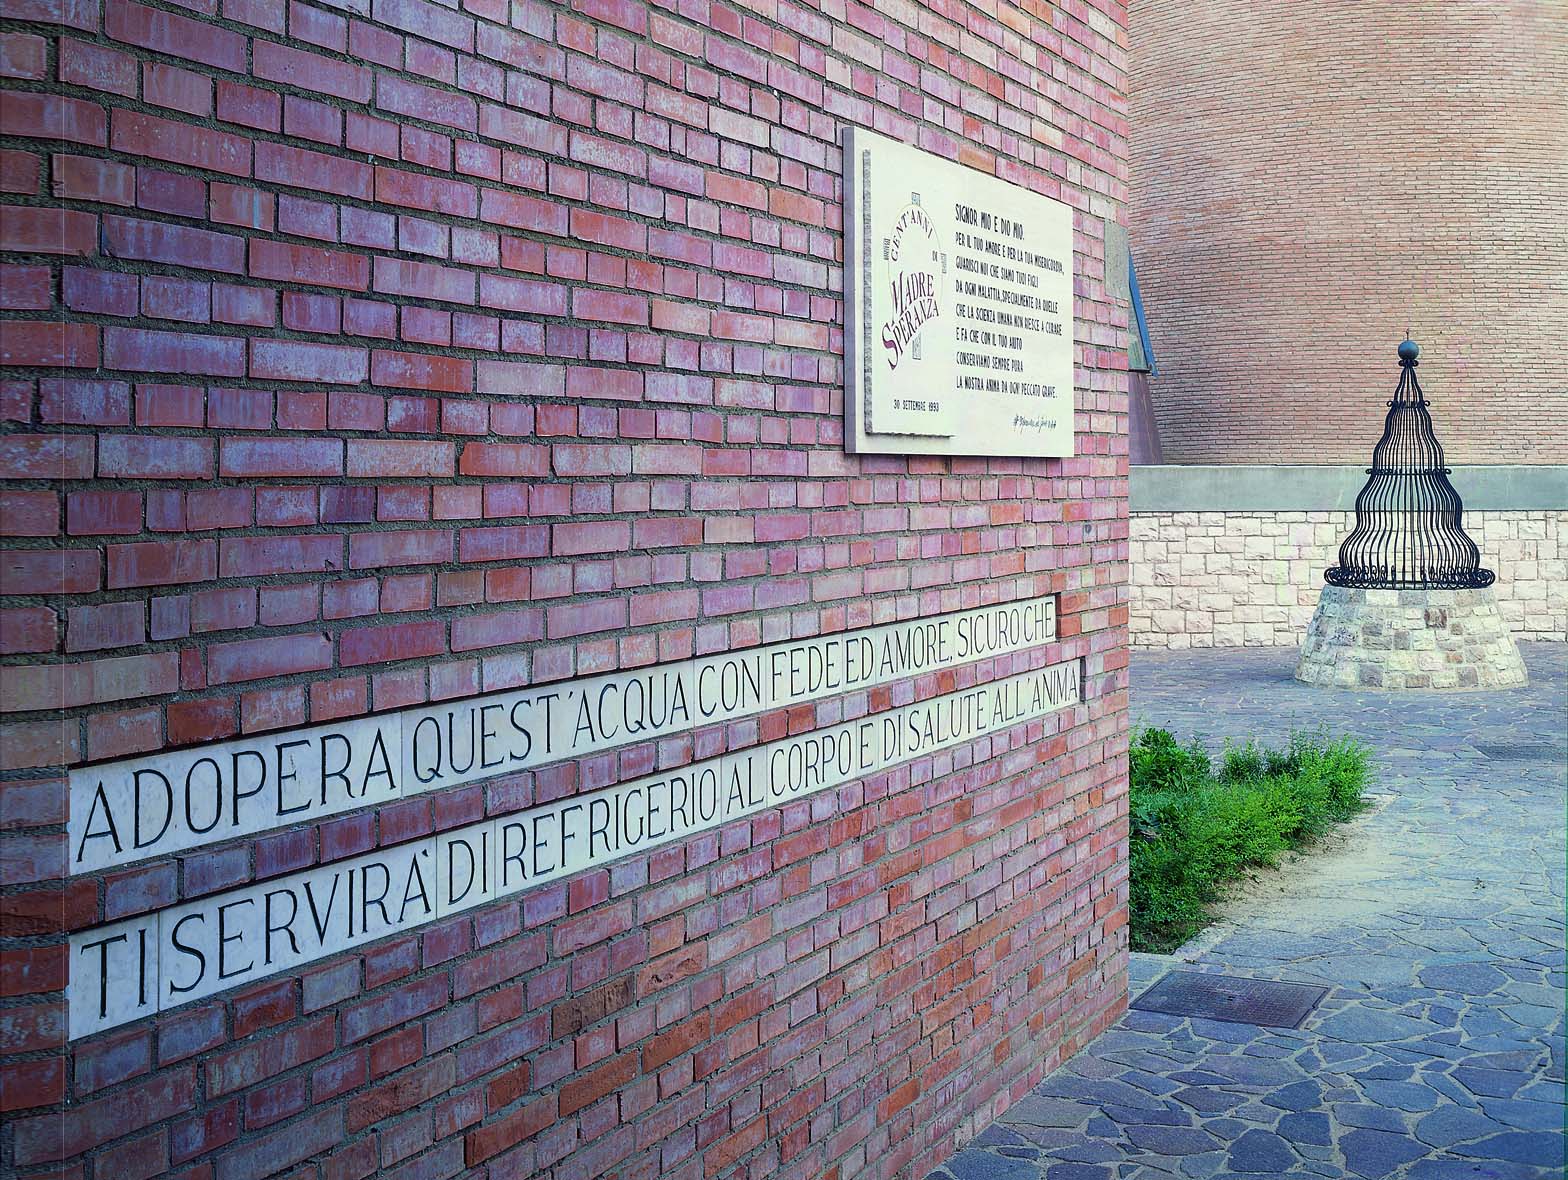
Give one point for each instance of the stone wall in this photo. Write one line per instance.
(1252, 578)
(369, 363)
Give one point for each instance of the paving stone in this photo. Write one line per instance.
(1101, 1127)
(976, 1164)
(1171, 1140)
(1153, 1083)
(1050, 1139)
(1302, 1095)
(1520, 1060)
(1077, 1172)
(1387, 1071)
(1259, 1151)
(1449, 1089)
(1096, 1090)
(1523, 1114)
(1207, 1099)
(1251, 1071)
(1448, 1125)
(1542, 1148)
(1041, 1111)
(1143, 1116)
(1438, 1052)
(1226, 1031)
(1401, 1095)
(1093, 1065)
(1447, 1168)
(1150, 1021)
(1378, 1153)
(996, 1135)
(1307, 1127)
(1368, 1026)
(1226, 1129)
(1093, 1152)
(1470, 979)
(1200, 1077)
(1543, 1091)
(1490, 1083)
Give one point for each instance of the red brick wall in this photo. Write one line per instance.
(1310, 180)
(369, 355)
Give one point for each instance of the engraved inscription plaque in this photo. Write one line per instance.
(959, 308)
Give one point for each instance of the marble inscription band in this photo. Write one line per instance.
(184, 953)
(127, 811)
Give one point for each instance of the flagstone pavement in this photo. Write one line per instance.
(1438, 928)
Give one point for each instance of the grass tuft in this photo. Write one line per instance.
(1196, 828)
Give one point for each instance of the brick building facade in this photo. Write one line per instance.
(367, 356)
(1310, 182)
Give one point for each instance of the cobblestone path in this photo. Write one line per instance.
(1438, 928)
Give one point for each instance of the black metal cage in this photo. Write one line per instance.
(1408, 516)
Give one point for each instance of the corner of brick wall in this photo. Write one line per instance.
(359, 356)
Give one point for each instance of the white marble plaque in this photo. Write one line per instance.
(959, 318)
(123, 812)
(156, 962)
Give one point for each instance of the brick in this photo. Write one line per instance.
(53, 117)
(317, 171)
(99, 291)
(46, 456)
(26, 288)
(40, 686)
(400, 641)
(45, 1138)
(515, 460)
(410, 370)
(393, 458)
(29, 514)
(99, 67)
(286, 262)
(242, 557)
(280, 458)
(591, 1087)
(161, 563)
(28, 629)
(48, 231)
(310, 71)
(185, 353)
(140, 456)
(298, 360)
(59, 571)
(180, 143)
(410, 1088)
(68, 346)
(151, 241)
(299, 1140)
(113, 624)
(380, 550)
(179, 36)
(522, 1124)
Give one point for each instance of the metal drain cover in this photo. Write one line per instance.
(1517, 751)
(1227, 997)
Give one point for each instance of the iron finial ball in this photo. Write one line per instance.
(1409, 350)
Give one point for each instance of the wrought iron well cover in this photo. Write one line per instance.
(1408, 532)
(1232, 998)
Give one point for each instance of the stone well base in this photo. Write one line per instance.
(1409, 639)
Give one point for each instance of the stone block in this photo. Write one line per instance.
(1409, 639)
